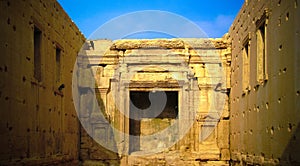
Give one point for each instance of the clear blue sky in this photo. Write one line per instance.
(214, 17)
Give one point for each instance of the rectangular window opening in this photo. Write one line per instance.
(37, 54)
(246, 64)
(58, 63)
(261, 51)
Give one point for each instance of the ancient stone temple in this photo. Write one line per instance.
(232, 100)
(193, 73)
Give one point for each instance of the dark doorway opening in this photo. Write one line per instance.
(153, 106)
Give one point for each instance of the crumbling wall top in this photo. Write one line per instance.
(176, 43)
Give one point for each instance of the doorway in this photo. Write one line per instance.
(148, 114)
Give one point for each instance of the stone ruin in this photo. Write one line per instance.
(127, 78)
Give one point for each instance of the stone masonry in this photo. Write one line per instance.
(227, 101)
(39, 44)
(198, 69)
(265, 84)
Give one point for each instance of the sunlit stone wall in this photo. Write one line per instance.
(197, 70)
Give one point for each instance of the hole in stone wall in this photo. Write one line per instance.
(290, 127)
(14, 28)
(24, 78)
(287, 16)
(296, 4)
(280, 47)
(257, 108)
(243, 94)
(256, 87)
(8, 21)
(284, 70)
(272, 130)
(267, 105)
(279, 3)
(8, 3)
(298, 93)
(279, 100)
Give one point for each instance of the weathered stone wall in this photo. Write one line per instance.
(265, 83)
(197, 69)
(38, 121)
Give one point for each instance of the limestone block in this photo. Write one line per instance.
(135, 44)
(223, 134)
(104, 82)
(225, 154)
(109, 71)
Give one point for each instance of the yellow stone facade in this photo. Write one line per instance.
(264, 97)
(196, 71)
(39, 45)
(230, 101)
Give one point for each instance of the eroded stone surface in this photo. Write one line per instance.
(39, 125)
(194, 69)
(264, 107)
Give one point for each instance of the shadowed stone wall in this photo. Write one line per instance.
(265, 84)
(39, 44)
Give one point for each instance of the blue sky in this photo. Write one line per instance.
(214, 17)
